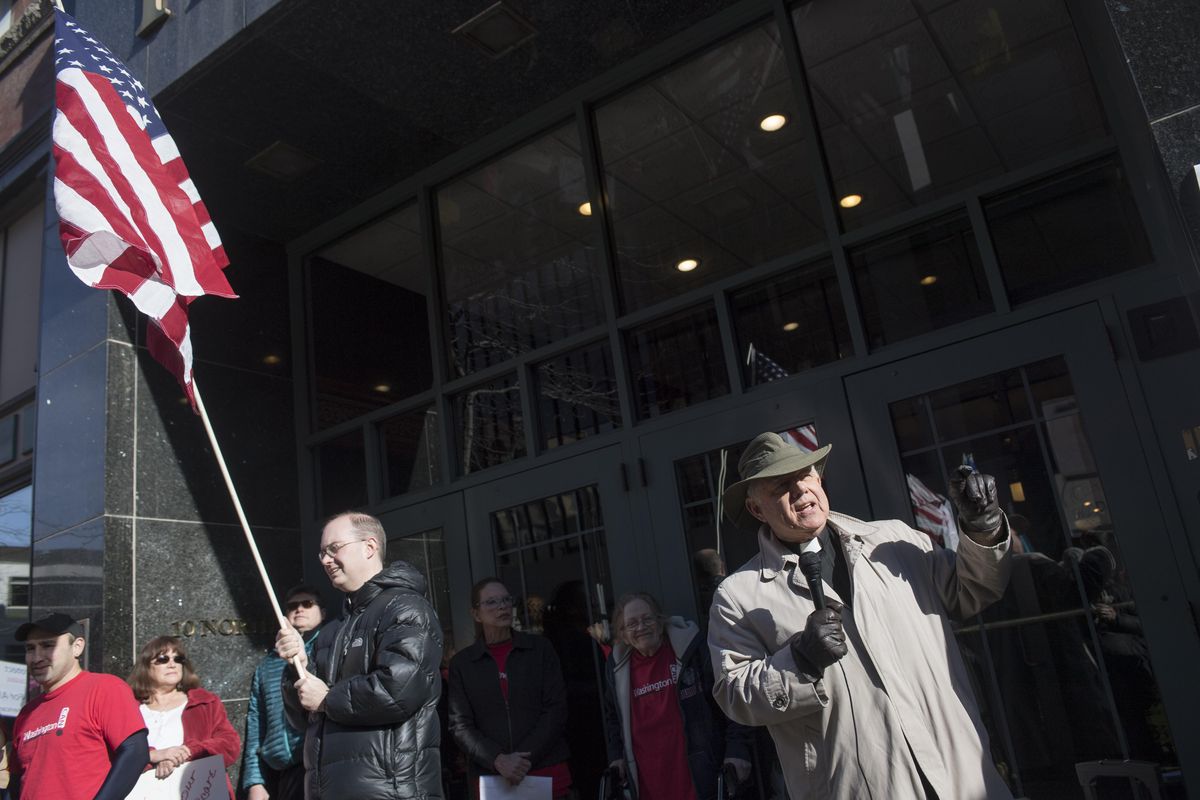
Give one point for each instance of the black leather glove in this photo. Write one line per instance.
(822, 642)
(974, 497)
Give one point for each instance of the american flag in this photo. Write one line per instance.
(933, 512)
(130, 218)
(763, 368)
(804, 437)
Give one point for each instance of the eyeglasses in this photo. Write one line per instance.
(492, 603)
(163, 658)
(333, 548)
(298, 604)
(641, 622)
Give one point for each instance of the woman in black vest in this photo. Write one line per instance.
(508, 707)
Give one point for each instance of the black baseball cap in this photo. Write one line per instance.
(58, 624)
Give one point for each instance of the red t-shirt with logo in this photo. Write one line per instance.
(63, 741)
(656, 724)
(559, 773)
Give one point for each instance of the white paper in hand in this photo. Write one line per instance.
(494, 787)
(203, 779)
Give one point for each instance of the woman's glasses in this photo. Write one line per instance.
(163, 658)
(297, 604)
(492, 603)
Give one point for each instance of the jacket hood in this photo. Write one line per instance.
(397, 575)
(679, 633)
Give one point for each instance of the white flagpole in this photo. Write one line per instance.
(237, 505)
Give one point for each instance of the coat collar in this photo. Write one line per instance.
(856, 536)
(478, 649)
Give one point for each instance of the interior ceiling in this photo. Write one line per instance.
(378, 90)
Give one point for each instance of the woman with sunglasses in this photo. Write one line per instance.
(667, 740)
(184, 721)
(508, 706)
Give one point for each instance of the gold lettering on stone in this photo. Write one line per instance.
(229, 626)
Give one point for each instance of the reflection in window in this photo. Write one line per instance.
(519, 253)
(718, 550)
(677, 362)
(1063, 648)
(16, 520)
(409, 448)
(488, 424)
(790, 323)
(1073, 228)
(919, 280)
(916, 99)
(341, 473)
(577, 396)
(707, 163)
(368, 299)
(427, 552)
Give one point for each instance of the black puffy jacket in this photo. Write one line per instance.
(378, 736)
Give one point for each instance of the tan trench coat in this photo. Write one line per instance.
(854, 734)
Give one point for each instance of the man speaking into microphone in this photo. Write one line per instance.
(858, 679)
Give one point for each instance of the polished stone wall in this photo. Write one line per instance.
(1158, 38)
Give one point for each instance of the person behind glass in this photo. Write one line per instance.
(185, 722)
(508, 704)
(666, 737)
(273, 763)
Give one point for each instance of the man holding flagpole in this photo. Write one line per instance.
(370, 696)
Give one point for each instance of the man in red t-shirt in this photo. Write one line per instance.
(83, 737)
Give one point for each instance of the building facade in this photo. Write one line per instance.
(522, 279)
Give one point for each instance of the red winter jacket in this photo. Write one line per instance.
(207, 732)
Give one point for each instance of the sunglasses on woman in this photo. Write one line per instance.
(297, 604)
(166, 659)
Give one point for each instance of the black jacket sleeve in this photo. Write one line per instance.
(479, 748)
(552, 723)
(405, 675)
(128, 760)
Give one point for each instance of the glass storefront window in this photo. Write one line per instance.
(427, 552)
(1062, 667)
(918, 100)
(16, 531)
(919, 280)
(1070, 229)
(369, 306)
(488, 424)
(707, 163)
(408, 445)
(790, 323)
(341, 474)
(519, 253)
(677, 362)
(577, 396)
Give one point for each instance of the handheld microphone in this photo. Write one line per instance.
(810, 565)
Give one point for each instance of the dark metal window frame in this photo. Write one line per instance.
(1132, 143)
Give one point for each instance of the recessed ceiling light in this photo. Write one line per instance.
(497, 30)
(850, 200)
(791, 326)
(687, 265)
(1096, 510)
(1087, 503)
(929, 280)
(271, 359)
(283, 161)
(772, 123)
(382, 388)
(585, 209)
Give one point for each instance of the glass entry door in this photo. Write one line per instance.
(561, 540)
(1073, 664)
